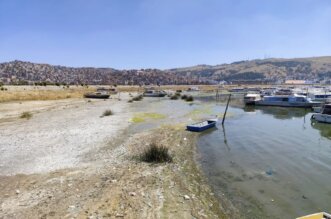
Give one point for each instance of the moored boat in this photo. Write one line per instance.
(202, 126)
(250, 99)
(324, 116)
(287, 101)
(320, 215)
(319, 96)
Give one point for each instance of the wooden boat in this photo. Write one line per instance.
(97, 95)
(201, 126)
(320, 215)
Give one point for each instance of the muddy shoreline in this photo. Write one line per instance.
(110, 182)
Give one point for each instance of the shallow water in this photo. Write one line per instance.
(269, 162)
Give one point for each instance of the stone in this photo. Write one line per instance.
(186, 197)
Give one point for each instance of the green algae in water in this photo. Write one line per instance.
(141, 117)
(208, 110)
(200, 111)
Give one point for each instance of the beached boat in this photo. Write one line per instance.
(320, 215)
(97, 95)
(325, 114)
(287, 101)
(193, 89)
(202, 126)
(154, 93)
(250, 99)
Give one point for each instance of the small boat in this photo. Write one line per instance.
(202, 126)
(287, 101)
(324, 116)
(193, 89)
(97, 95)
(154, 93)
(320, 215)
(250, 99)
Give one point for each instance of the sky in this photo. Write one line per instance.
(127, 34)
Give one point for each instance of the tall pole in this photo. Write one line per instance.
(226, 109)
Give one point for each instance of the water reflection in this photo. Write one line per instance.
(324, 129)
(279, 112)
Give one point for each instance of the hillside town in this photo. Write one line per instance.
(267, 71)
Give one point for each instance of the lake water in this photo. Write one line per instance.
(269, 162)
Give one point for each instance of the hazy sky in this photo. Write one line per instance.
(161, 33)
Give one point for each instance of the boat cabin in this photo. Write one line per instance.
(285, 98)
(319, 96)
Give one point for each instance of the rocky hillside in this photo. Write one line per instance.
(259, 71)
(273, 70)
(19, 72)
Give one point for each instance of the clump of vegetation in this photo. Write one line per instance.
(107, 113)
(156, 154)
(174, 97)
(189, 99)
(136, 98)
(1, 87)
(26, 115)
(184, 97)
(141, 117)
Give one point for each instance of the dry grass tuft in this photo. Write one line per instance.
(107, 113)
(26, 115)
(156, 154)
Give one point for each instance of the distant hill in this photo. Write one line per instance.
(261, 70)
(317, 68)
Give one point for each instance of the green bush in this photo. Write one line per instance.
(174, 97)
(137, 98)
(189, 99)
(184, 97)
(156, 154)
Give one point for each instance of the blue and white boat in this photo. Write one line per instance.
(287, 101)
(202, 126)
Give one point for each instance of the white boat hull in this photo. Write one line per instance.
(284, 104)
(325, 118)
